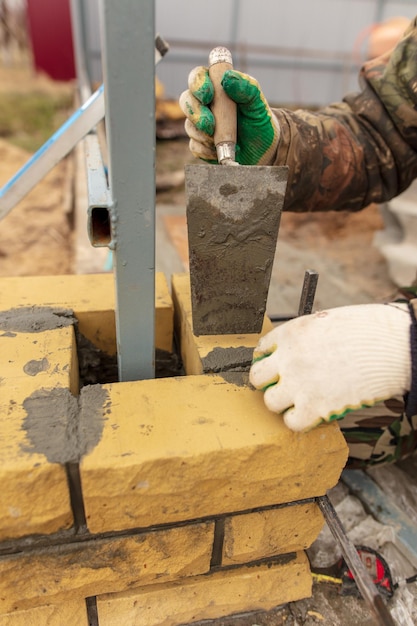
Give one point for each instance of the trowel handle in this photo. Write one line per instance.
(223, 108)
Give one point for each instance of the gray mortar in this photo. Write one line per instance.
(94, 404)
(35, 319)
(62, 427)
(228, 360)
(240, 379)
(33, 367)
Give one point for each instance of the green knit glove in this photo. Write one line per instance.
(257, 128)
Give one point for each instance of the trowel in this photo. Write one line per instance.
(233, 216)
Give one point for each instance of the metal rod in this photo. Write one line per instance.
(79, 42)
(308, 292)
(364, 582)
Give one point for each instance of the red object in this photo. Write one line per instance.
(377, 568)
(51, 37)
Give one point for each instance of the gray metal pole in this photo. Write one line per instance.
(79, 42)
(379, 11)
(128, 46)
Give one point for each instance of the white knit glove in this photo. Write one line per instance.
(319, 367)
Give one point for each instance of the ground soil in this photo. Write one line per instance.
(36, 236)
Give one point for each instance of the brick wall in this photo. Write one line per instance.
(163, 501)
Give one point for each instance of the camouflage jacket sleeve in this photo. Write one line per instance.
(382, 433)
(361, 150)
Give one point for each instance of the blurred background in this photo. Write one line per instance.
(304, 53)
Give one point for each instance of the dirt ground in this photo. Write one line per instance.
(36, 236)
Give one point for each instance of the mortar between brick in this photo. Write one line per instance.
(62, 427)
(35, 496)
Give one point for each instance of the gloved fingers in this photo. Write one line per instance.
(240, 87)
(200, 85)
(199, 136)
(300, 415)
(245, 91)
(264, 373)
(197, 113)
(278, 398)
(200, 151)
(266, 344)
(300, 419)
(201, 145)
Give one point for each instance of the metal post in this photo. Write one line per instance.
(379, 11)
(79, 42)
(128, 47)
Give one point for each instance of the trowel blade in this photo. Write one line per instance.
(233, 216)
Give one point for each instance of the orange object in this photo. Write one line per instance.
(385, 35)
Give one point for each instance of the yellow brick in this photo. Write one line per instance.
(209, 597)
(68, 613)
(32, 361)
(207, 352)
(182, 448)
(91, 297)
(164, 314)
(34, 494)
(89, 568)
(268, 533)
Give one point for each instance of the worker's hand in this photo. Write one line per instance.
(319, 367)
(257, 127)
